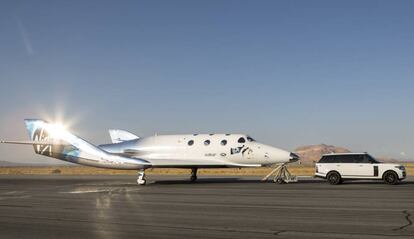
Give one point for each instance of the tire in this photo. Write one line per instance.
(390, 177)
(334, 178)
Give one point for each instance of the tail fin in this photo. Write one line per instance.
(119, 136)
(58, 141)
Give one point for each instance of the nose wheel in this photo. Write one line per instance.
(281, 175)
(141, 177)
(193, 177)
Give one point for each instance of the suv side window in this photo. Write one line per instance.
(331, 159)
(324, 159)
(352, 158)
(336, 159)
(364, 159)
(359, 159)
(346, 159)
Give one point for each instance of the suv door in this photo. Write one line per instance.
(365, 168)
(347, 166)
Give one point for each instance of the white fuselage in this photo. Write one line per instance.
(201, 150)
(128, 151)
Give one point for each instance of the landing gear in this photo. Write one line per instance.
(141, 177)
(281, 175)
(193, 177)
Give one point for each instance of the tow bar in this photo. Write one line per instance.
(281, 175)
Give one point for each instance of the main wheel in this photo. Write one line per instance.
(334, 178)
(141, 181)
(390, 177)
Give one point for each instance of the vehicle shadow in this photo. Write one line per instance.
(377, 182)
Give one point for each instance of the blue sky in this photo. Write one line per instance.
(289, 73)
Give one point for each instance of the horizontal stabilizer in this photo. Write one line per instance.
(34, 142)
(119, 136)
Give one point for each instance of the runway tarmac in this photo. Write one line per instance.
(215, 207)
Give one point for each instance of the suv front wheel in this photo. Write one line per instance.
(334, 178)
(390, 177)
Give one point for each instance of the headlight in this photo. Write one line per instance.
(402, 168)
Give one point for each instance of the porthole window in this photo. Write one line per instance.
(223, 142)
(241, 140)
(207, 142)
(211, 134)
(227, 134)
(191, 142)
(195, 134)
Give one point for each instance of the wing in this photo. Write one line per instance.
(201, 163)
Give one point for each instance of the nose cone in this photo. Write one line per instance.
(276, 155)
(293, 157)
(268, 155)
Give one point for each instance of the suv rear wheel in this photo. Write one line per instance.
(334, 178)
(390, 177)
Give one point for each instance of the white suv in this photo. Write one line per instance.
(337, 167)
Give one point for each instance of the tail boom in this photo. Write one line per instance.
(54, 141)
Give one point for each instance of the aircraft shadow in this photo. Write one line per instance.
(229, 180)
(257, 181)
(205, 181)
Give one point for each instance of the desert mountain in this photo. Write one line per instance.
(310, 154)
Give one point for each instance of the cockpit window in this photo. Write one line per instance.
(250, 139)
(241, 140)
